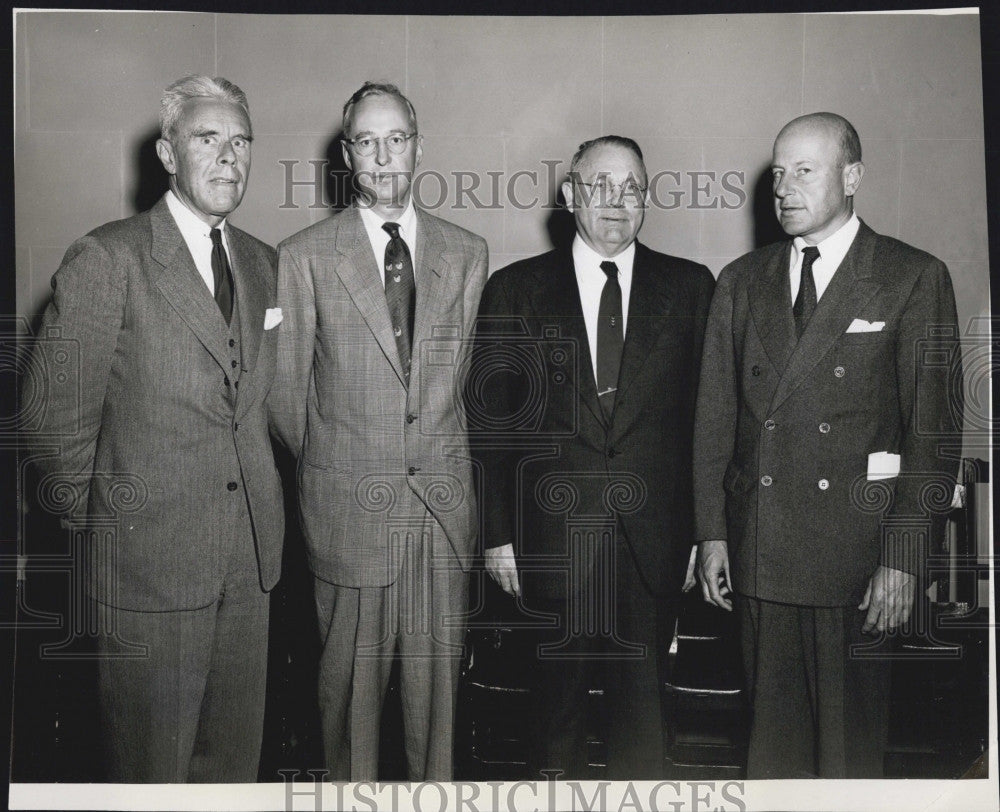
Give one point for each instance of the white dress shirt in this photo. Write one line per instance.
(590, 281)
(196, 233)
(831, 253)
(379, 237)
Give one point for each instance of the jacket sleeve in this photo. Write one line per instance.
(296, 341)
(70, 368)
(715, 413)
(929, 381)
(491, 398)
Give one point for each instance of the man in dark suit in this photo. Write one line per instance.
(165, 468)
(820, 467)
(378, 302)
(582, 405)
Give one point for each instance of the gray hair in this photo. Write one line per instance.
(376, 89)
(196, 87)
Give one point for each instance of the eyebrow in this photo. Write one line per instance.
(397, 131)
(202, 133)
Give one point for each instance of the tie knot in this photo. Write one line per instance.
(610, 269)
(392, 229)
(216, 235)
(809, 255)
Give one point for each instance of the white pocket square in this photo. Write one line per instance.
(862, 326)
(272, 317)
(883, 465)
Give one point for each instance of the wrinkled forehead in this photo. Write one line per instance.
(612, 161)
(216, 115)
(807, 140)
(380, 113)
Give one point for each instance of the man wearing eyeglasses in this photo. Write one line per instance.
(586, 364)
(377, 302)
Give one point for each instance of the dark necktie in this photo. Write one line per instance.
(222, 275)
(400, 293)
(805, 301)
(610, 338)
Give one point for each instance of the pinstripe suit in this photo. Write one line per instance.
(165, 440)
(384, 477)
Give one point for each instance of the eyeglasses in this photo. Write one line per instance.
(604, 190)
(367, 144)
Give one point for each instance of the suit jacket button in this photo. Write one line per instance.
(769, 424)
(232, 364)
(612, 453)
(410, 418)
(766, 481)
(824, 428)
(232, 342)
(236, 426)
(823, 484)
(755, 370)
(411, 470)
(840, 372)
(232, 486)
(226, 381)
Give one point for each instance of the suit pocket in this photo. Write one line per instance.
(871, 338)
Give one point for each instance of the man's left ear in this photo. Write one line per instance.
(165, 152)
(853, 173)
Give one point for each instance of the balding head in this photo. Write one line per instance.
(836, 127)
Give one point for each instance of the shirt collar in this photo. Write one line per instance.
(586, 257)
(189, 223)
(834, 248)
(407, 222)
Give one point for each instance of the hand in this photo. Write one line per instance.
(502, 569)
(689, 579)
(713, 572)
(888, 599)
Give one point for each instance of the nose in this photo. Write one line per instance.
(617, 197)
(781, 187)
(382, 156)
(227, 154)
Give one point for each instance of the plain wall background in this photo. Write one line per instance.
(503, 94)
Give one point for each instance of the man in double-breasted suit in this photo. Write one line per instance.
(581, 398)
(175, 501)
(826, 445)
(378, 301)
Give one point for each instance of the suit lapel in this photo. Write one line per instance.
(435, 271)
(559, 299)
(362, 278)
(649, 303)
(770, 300)
(182, 285)
(852, 286)
(251, 297)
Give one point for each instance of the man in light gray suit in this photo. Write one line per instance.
(165, 451)
(378, 302)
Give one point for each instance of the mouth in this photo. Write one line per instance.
(225, 181)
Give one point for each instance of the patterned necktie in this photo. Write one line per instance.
(223, 276)
(400, 293)
(610, 338)
(805, 301)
